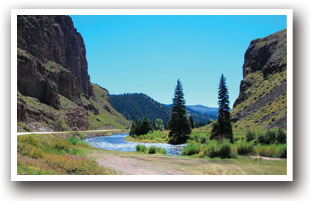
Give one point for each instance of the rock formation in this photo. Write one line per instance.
(52, 76)
(262, 99)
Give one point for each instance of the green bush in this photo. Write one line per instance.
(152, 150)
(281, 136)
(199, 137)
(76, 141)
(218, 149)
(161, 150)
(212, 149)
(191, 149)
(225, 150)
(274, 150)
(282, 151)
(141, 148)
(250, 135)
(270, 136)
(261, 138)
(245, 148)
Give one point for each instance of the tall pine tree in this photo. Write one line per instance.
(179, 123)
(222, 128)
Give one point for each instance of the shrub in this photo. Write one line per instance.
(76, 141)
(281, 136)
(261, 138)
(199, 137)
(191, 149)
(224, 150)
(141, 148)
(81, 135)
(270, 136)
(218, 149)
(276, 151)
(212, 149)
(61, 144)
(161, 150)
(282, 151)
(152, 150)
(73, 140)
(244, 148)
(250, 135)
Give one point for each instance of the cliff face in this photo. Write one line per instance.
(52, 75)
(262, 100)
(54, 38)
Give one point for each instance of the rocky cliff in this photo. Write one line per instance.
(54, 89)
(262, 100)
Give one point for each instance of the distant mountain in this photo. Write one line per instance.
(138, 105)
(203, 109)
(199, 116)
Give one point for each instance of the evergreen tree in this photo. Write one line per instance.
(179, 124)
(145, 126)
(191, 121)
(222, 128)
(140, 127)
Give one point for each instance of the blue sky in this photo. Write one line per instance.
(147, 54)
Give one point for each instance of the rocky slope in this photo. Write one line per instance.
(262, 100)
(54, 89)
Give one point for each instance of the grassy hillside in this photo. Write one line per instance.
(271, 111)
(43, 117)
(105, 116)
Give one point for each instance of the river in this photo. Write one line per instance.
(117, 142)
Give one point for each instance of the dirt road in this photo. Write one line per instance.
(146, 164)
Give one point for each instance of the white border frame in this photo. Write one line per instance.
(287, 12)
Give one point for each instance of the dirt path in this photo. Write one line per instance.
(146, 164)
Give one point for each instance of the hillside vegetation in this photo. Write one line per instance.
(138, 105)
(262, 102)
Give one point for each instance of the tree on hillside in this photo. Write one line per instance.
(191, 121)
(179, 124)
(222, 128)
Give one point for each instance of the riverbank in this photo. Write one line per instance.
(50, 154)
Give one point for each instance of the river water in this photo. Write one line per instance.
(118, 143)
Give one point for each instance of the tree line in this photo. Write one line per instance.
(181, 124)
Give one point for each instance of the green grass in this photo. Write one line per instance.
(48, 154)
(151, 137)
(107, 116)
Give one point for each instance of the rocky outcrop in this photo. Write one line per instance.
(54, 89)
(266, 54)
(263, 88)
(54, 38)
